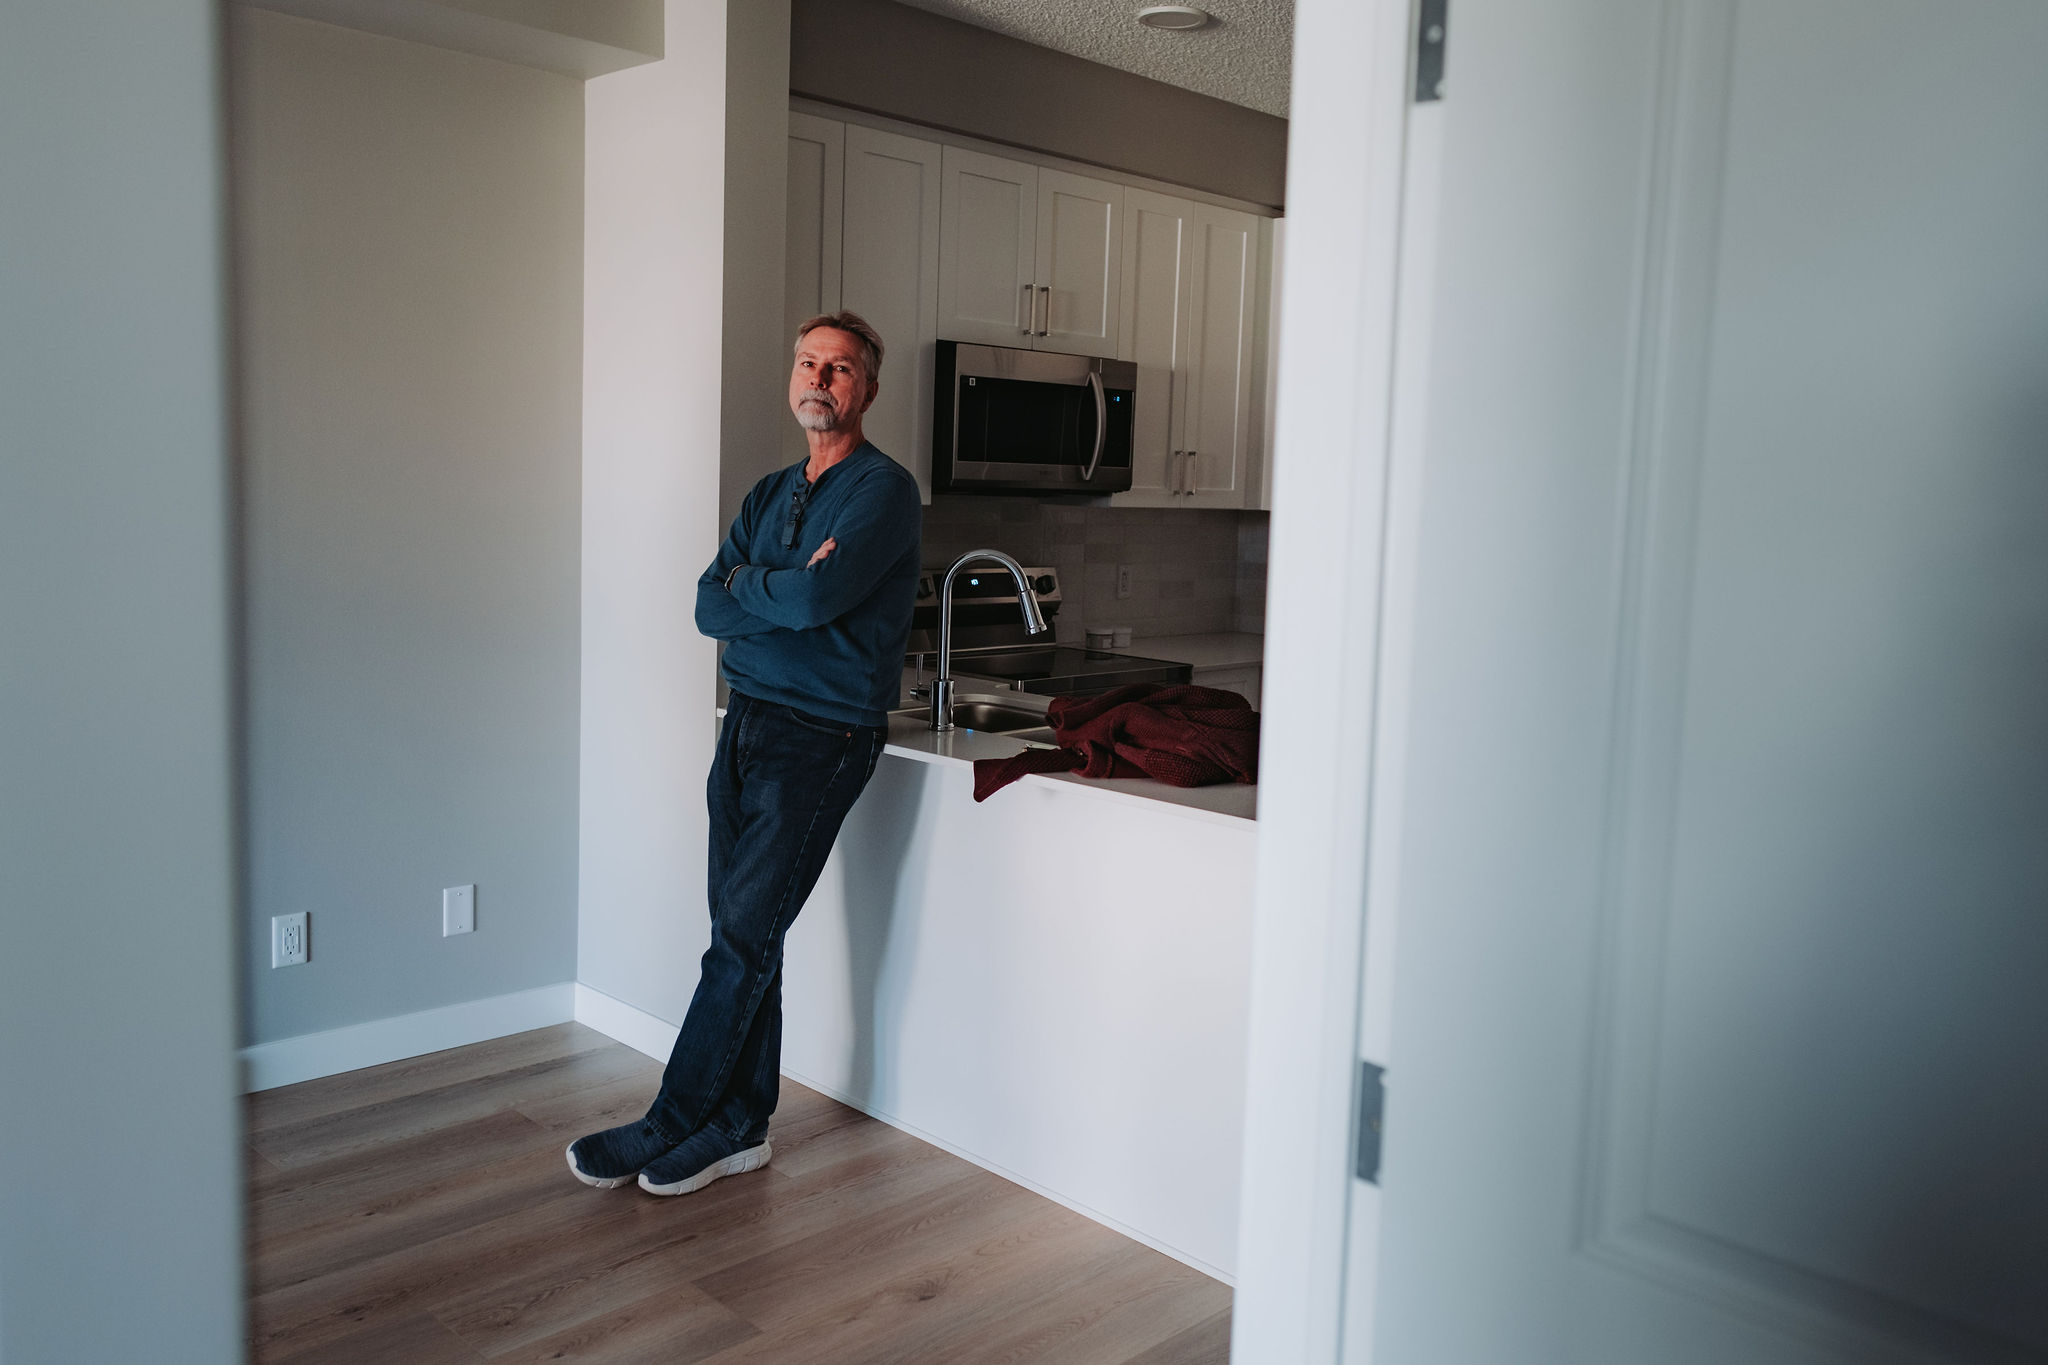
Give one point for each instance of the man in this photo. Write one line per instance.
(812, 593)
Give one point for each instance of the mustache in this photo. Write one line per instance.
(819, 396)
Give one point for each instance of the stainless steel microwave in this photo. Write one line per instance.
(1014, 421)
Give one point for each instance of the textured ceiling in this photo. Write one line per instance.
(1242, 55)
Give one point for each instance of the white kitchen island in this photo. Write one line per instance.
(1052, 984)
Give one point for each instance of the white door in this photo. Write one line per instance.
(1156, 279)
(890, 276)
(1720, 828)
(817, 190)
(1220, 359)
(987, 235)
(1696, 667)
(1079, 259)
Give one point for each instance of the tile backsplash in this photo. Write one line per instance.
(1250, 610)
(1192, 572)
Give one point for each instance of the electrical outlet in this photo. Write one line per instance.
(458, 910)
(1123, 580)
(287, 940)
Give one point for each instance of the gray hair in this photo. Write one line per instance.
(855, 324)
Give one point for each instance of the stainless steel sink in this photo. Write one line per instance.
(989, 715)
(994, 717)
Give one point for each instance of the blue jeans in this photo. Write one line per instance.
(781, 785)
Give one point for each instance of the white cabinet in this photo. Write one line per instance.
(890, 276)
(1029, 256)
(817, 188)
(988, 218)
(1190, 284)
(930, 241)
(1079, 259)
(1218, 427)
(1158, 235)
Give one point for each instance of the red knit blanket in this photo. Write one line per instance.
(1179, 734)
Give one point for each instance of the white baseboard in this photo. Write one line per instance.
(624, 1023)
(643, 1032)
(290, 1060)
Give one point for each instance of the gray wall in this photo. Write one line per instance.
(120, 1190)
(891, 59)
(408, 247)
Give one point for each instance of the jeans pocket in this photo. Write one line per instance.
(836, 728)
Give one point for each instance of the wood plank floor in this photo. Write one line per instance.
(422, 1213)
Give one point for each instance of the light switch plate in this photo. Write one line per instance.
(458, 910)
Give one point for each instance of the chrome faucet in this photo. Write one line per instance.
(942, 681)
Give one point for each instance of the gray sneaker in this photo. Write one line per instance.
(704, 1158)
(613, 1157)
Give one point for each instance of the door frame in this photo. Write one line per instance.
(1354, 322)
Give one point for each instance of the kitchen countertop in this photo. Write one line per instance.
(1222, 649)
(913, 738)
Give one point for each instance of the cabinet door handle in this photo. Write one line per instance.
(1189, 470)
(1045, 292)
(1173, 469)
(1025, 309)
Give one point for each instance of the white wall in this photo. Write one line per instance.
(409, 268)
(652, 299)
(120, 1203)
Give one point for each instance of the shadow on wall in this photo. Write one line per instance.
(882, 861)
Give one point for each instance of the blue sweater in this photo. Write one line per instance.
(826, 639)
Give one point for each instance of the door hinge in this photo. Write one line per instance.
(1372, 1106)
(1431, 34)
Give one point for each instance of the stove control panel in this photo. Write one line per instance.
(989, 586)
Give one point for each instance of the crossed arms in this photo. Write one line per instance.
(737, 598)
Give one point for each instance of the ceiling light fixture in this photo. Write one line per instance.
(1179, 18)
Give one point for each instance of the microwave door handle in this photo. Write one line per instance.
(1101, 425)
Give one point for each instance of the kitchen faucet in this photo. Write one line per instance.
(942, 681)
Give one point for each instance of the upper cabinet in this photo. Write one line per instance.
(817, 194)
(1157, 281)
(1189, 303)
(1028, 256)
(988, 228)
(1080, 260)
(928, 241)
(817, 190)
(890, 276)
(1221, 366)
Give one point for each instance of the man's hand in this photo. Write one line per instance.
(823, 550)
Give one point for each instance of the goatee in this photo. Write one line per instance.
(816, 412)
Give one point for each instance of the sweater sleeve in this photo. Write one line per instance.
(718, 614)
(872, 527)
